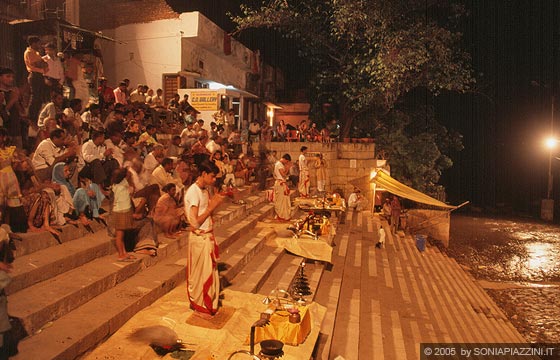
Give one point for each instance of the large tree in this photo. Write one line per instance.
(366, 55)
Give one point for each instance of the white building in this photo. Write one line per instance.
(191, 52)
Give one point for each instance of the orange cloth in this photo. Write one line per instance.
(280, 328)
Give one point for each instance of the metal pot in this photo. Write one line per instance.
(272, 347)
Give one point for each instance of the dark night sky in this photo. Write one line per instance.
(512, 43)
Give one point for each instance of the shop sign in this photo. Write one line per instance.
(204, 100)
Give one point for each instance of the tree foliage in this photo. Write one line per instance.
(418, 152)
(367, 55)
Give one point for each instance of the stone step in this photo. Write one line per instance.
(45, 257)
(256, 271)
(448, 276)
(35, 241)
(71, 344)
(54, 260)
(459, 303)
(78, 331)
(489, 309)
(239, 255)
(48, 300)
(329, 291)
(455, 300)
(450, 304)
(226, 234)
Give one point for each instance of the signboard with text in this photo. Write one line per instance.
(204, 100)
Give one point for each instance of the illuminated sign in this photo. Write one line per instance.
(204, 100)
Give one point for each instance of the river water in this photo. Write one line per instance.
(518, 262)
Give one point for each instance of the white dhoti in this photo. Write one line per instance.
(203, 282)
(303, 186)
(282, 205)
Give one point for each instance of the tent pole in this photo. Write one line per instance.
(373, 202)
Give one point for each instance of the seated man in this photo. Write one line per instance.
(50, 152)
(162, 175)
(99, 160)
(188, 136)
(356, 200)
(153, 159)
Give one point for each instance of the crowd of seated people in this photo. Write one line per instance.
(304, 131)
(69, 160)
(87, 159)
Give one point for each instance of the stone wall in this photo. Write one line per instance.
(348, 164)
(434, 223)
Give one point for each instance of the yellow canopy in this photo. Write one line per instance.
(383, 180)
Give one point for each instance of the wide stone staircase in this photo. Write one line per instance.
(398, 297)
(67, 296)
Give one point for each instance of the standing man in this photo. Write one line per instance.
(11, 109)
(203, 282)
(36, 67)
(282, 205)
(395, 214)
(303, 185)
(54, 74)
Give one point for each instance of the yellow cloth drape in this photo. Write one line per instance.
(383, 180)
(280, 328)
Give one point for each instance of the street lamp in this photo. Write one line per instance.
(547, 205)
(550, 143)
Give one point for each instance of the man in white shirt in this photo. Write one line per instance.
(120, 94)
(50, 110)
(212, 145)
(303, 186)
(138, 96)
(99, 160)
(92, 119)
(116, 144)
(188, 136)
(54, 74)
(254, 131)
(50, 152)
(162, 175)
(153, 159)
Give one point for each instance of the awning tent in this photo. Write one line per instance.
(385, 181)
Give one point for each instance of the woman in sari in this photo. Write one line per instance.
(41, 211)
(87, 198)
(167, 215)
(11, 206)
